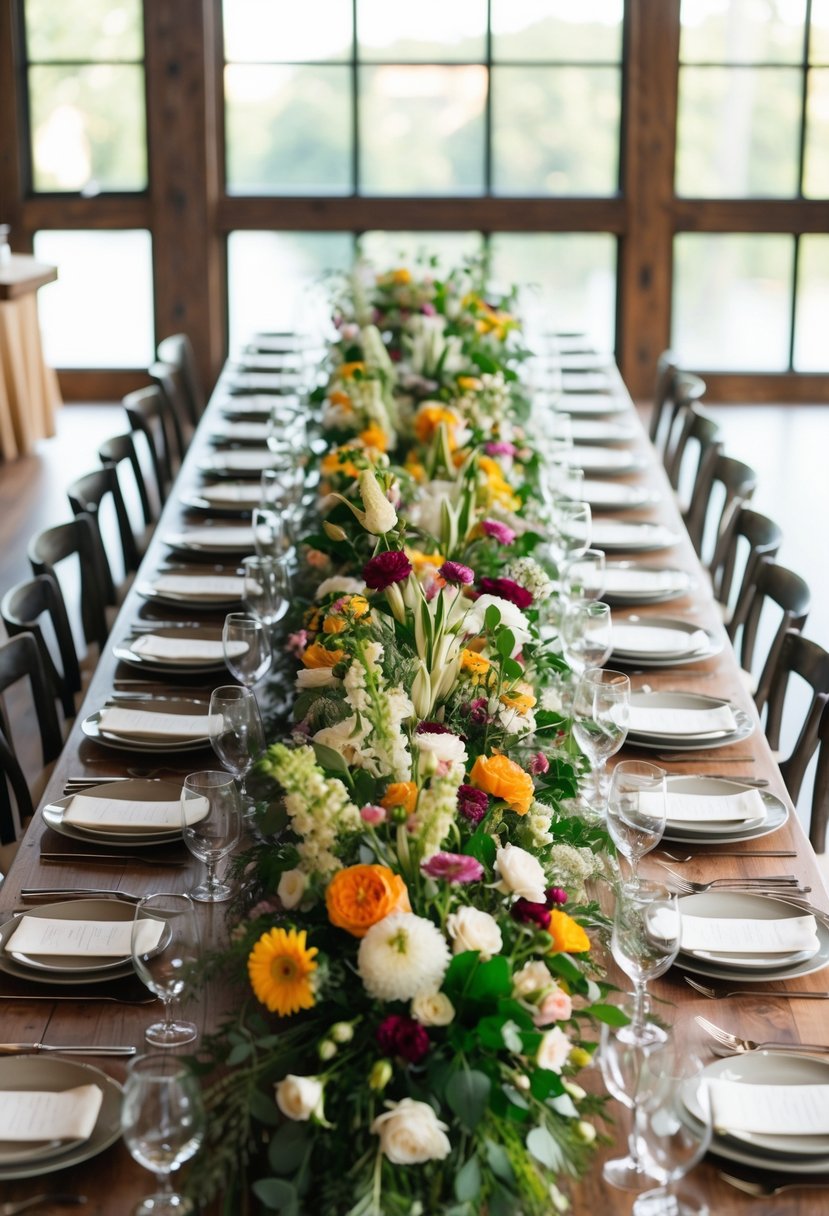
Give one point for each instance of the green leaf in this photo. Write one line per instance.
(264, 1109)
(277, 1195)
(512, 670)
(240, 1053)
(492, 618)
(328, 759)
(468, 1181)
(482, 846)
(459, 973)
(498, 1161)
(287, 1148)
(544, 1083)
(364, 785)
(611, 1014)
(491, 980)
(544, 1148)
(505, 643)
(468, 1095)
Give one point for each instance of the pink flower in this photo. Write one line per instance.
(500, 448)
(384, 569)
(373, 815)
(453, 867)
(507, 589)
(498, 531)
(428, 310)
(556, 1007)
(539, 763)
(297, 642)
(555, 895)
(457, 574)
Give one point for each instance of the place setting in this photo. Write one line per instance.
(685, 721)
(149, 724)
(616, 495)
(212, 539)
(662, 642)
(594, 431)
(129, 813)
(236, 462)
(631, 583)
(589, 405)
(223, 498)
(606, 462)
(285, 381)
(195, 587)
(719, 810)
(614, 536)
(174, 650)
(254, 406)
(241, 433)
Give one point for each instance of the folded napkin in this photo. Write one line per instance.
(271, 361)
(612, 432)
(36, 935)
(208, 587)
(630, 534)
(681, 722)
(584, 382)
(252, 432)
(622, 579)
(239, 494)
(150, 724)
(771, 1110)
(184, 650)
(598, 458)
(242, 462)
(709, 808)
(740, 935)
(651, 639)
(262, 382)
(28, 1116)
(609, 493)
(214, 538)
(131, 814)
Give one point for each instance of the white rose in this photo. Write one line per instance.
(379, 516)
(433, 1009)
(442, 746)
(511, 617)
(471, 929)
(345, 586)
(410, 1132)
(532, 978)
(553, 1050)
(316, 677)
(521, 874)
(299, 1097)
(344, 737)
(292, 884)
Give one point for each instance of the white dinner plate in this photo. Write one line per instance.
(723, 832)
(38, 1073)
(696, 742)
(283, 382)
(91, 728)
(72, 909)
(615, 495)
(611, 536)
(241, 434)
(269, 361)
(745, 905)
(139, 789)
(644, 584)
(588, 405)
(241, 462)
(255, 407)
(606, 462)
(221, 539)
(683, 629)
(587, 381)
(231, 505)
(590, 430)
(218, 602)
(124, 652)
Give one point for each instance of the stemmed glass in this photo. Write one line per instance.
(586, 635)
(235, 729)
(636, 810)
(621, 1062)
(266, 589)
(247, 647)
(582, 577)
(163, 1122)
(166, 968)
(270, 537)
(644, 943)
(601, 707)
(211, 825)
(572, 525)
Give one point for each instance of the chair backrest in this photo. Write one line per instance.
(687, 390)
(148, 412)
(820, 793)
(121, 450)
(22, 609)
(693, 434)
(87, 495)
(667, 369)
(177, 351)
(763, 539)
(802, 657)
(777, 585)
(79, 538)
(171, 383)
(736, 482)
(19, 660)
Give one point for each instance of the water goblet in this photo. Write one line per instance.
(266, 589)
(644, 943)
(636, 810)
(163, 1123)
(621, 1062)
(235, 729)
(582, 577)
(211, 825)
(601, 706)
(247, 647)
(586, 635)
(165, 962)
(269, 538)
(572, 526)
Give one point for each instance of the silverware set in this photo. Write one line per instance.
(767, 884)
(75, 1049)
(33, 894)
(731, 1044)
(681, 859)
(112, 859)
(715, 994)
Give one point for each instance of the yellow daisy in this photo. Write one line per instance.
(280, 967)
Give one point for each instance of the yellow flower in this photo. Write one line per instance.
(414, 468)
(375, 437)
(429, 418)
(347, 371)
(317, 656)
(338, 397)
(470, 384)
(280, 967)
(503, 778)
(419, 559)
(339, 461)
(567, 934)
(333, 624)
(520, 701)
(476, 663)
(351, 606)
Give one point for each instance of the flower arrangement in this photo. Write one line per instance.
(415, 911)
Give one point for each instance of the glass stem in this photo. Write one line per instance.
(640, 999)
(210, 880)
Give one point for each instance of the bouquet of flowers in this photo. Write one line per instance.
(413, 927)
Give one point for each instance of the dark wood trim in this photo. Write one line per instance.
(11, 125)
(787, 387)
(71, 211)
(751, 215)
(92, 384)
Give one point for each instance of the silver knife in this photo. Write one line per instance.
(14, 1049)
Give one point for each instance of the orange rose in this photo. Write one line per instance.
(503, 778)
(520, 701)
(400, 793)
(360, 896)
(374, 437)
(429, 418)
(338, 397)
(567, 934)
(317, 656)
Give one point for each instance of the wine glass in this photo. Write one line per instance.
(572, 525)
(163, 1123)
(644, 943)
(586, 635)
(166, 966)
(235, 730)
(269, 533)
(247, 647)
(582, 577)
(211, 824)
(266, 589)
(601, 706)
(671, 1141)
(621, 1062)
(636, 810)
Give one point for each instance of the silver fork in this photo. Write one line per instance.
(738, 1045)
(765, 1190)
(781, 882)
(716, 995)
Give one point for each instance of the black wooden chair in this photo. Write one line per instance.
(752, 538)
(94, 491)
(709, 524)
(171, 385)
(121, 452)
(78, 539)
(695, 442)
(25, 609)
(149, 413)
(810, 662)
(820, 793)
(177, 351)
(772, 584)
(684, 391)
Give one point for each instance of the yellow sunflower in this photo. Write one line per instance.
(280, 966)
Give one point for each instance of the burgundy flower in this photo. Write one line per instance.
(432, 728)
(472, 804)
(506, 589)
(539, 764)
(402, 1036)
(498, 531)
(555, 895)
(457, 574)
(477, 711)
(386, 568)
(454, 867)
(528, 913)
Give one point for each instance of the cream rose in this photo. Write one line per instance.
(433, 1009)
(299, 1098)
(471, 929)
(521, 873)
(553, 1050)
(556, 1006)
(316, 677)
(291, 889)
(410, 1132)
(532, 979)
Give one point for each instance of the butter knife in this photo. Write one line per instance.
(15, 1049)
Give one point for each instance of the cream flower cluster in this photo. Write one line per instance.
(318, 806)
(437, 809)
(382, 747)
(534, 578)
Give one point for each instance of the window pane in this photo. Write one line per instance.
(424, 32)
(99, 313)
(288, 130)
(816, 162)
(422, 130)
(555, 30)
(269, 274)
(449, 249)
(84, 29)
(732, 301)
(811, 353)
(556, 130)
(738, 132)
(819, 39)
(570, 279)
(262, 31)
(742, 31)
(88, 128)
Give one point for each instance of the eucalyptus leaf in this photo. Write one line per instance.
(277, 1195)
(544, 1148)
(468, 1181)
(468, 1095)
(328, 759)
(287, 1148)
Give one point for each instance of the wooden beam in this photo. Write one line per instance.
(743, 387)
(11, 127)
(751, 215)
(94, 384)
(72, 211)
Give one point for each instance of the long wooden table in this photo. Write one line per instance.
(112, 1181)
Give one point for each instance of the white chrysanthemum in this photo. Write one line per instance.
(402, 956)
(529, 574)
(340, 584)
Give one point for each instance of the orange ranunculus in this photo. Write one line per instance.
(429, 418)
(346, 371)
(375, 437)
(349, 607)
(567, 934)
(359, 896)
(338, 397)
(503, 778)
(339, 461)
(520, 701)
(400, 793)
(317, 656)
(333, 624)
(402, 275)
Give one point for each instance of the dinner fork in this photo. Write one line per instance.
(765, 1190)
(738, 1046)
(782, 882)
(715, 995)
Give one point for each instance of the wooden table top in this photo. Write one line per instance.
(22, 274)
(113, 1182)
